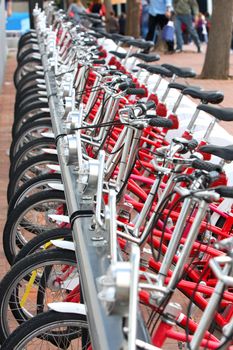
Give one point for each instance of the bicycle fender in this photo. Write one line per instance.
(70, 307)
(63, 244)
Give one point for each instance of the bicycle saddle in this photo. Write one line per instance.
(97, 35)
(181, 87)
(145, 57)
(105, 34)
(225, 152)
(141, 44)
(205, 96)
(118, 54)
(180, 72)
(157, 69)
(225, 114)
(122, 38)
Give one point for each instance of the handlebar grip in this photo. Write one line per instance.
(98, 61)
(89, 43)
(135, 91)
(207, 166)
(126, 85)
(225, 191)
(149, 105)
(161, 122)
(192, 144)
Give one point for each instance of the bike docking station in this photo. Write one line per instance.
(105, 279)
(118, 220)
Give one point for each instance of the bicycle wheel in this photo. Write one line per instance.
(25, 67)
(19, 125)
(31, 149)
(31, 168)
(28, 111)
(51, 330)
(32, 283)
(27, 51)
(28, 81)
(20, 97)
(38, 243)
(35, 185)
(28, 100)
(30, 218)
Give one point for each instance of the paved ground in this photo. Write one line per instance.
(6, 118)
(188, 58)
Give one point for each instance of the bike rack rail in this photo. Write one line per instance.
(106, 331)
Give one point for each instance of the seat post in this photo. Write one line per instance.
(173, 78)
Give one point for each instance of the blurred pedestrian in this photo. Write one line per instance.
(168, 34)
(8, 7)
(122, 23)
(75, 9)
(96, 6)
(184, 9)
(201, 27)
(159, 14)
(112, 23)
(144, 18)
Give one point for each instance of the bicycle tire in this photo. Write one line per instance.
(28, 129)
(35, 244)
(28, 81)
(25, 37)
(36, 327)
(42, 116)
(27, 50)
(24, 68)
(22, 217)
(27, 166)
(28, 100)
(37, 184)
(25, 94)
(30, 110)
(16, 280)
(31, 149)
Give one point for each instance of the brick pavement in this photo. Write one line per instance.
(6, 117)
(188, 58)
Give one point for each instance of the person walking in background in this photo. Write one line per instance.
(159, 14)
(122, 23)
(201, 27)
(75, 9)
(96, 6)
(8, 7)
(183, 15)
(112, 23)
(144, 18)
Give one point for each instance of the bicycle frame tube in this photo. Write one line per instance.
(193, 232)
(208, 314)
(169, 187)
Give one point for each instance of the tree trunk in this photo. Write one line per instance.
(133, 18)
(216, 65)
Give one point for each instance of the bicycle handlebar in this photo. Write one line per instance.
(225, 191)
(160, 122)
(135, 91)
(207, 166)
(99, 61)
